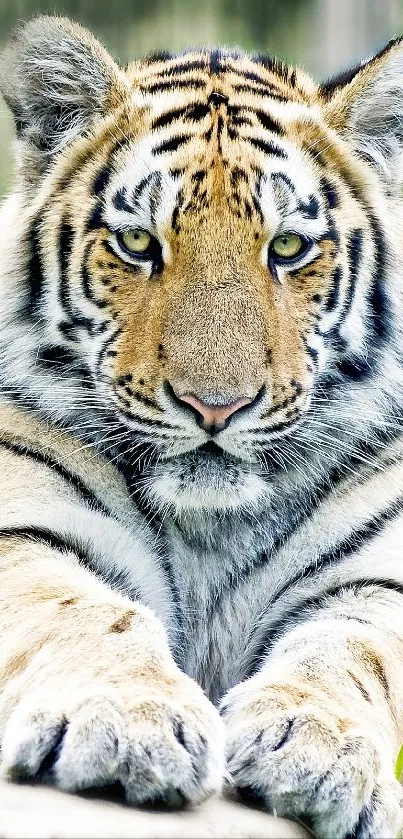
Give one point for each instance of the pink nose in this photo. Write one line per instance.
(214, 416)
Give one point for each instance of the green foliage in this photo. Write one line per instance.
(399, 766)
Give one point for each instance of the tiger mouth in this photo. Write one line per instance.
(212, 449)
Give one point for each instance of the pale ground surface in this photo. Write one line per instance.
(39, 813)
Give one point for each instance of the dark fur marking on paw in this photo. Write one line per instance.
(284, 738)
(48, 763)
(251, 796)
(179, 734)
(70, 601)
(123, 623)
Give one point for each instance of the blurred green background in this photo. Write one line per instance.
(321, 35)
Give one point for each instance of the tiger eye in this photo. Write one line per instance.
(136, 240)
(287, 245)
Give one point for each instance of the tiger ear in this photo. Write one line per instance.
(366, 106)
(57, 79)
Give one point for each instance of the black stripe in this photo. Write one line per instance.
(312, 352)
(215, 62)
(120, 202)
(201, 175)
(241, 121)
(153, 423)
(74, 318)
(52, 355)
(253, 77)
(101, 181)
(175, 224)
(154, 201)
(88, 292)
(185, 67)
(283, 178)
(177, 171)
(356, 368)
(357, 540)
(113, 577)
(330, 193)
(48, 537)
(291, 77)
(259, 91)
(237, 174)
(65, 246)
(354, 251)
(172, 145)
(272, 89)
(269, 123)
(105, 351)
(95, 220)
(77, 483)
(139, 397)
(318, 600)
(170, 576)
(310, 208)
(35, 277)
(86, 280)
(269, 63)
(267, 147)
(194, 113)
(333, 297)
(157, 87)
(300, 614)
(258, 209)
(168, 117)
(380, 308)
(379, 321)
(141, 187)
(62, 361)
(332, 233)
(159, 55)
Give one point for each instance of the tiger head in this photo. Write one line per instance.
(206, 245)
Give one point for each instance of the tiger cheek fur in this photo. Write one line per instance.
(201, 438)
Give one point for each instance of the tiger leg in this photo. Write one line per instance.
(89, 692)
(316, 732)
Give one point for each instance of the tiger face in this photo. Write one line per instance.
(205, 238)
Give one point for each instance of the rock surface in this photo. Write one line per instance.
(28, 812)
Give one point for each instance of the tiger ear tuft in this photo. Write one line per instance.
(365, 105)
(56, 78)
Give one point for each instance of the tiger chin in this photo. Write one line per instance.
(201, 447)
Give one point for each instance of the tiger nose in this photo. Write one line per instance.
(213, 418)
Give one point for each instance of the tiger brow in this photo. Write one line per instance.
(284, 191)
(150, 186)
(285, 194)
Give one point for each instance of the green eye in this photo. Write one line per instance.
(288, 246)
(135, 241)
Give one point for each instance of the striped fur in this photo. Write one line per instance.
(270, 552)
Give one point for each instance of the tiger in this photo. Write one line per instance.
(201, 429)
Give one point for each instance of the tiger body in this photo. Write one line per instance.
(203, 437)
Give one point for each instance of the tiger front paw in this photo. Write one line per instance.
(108, 705)
(304, 758)
(159, 747)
